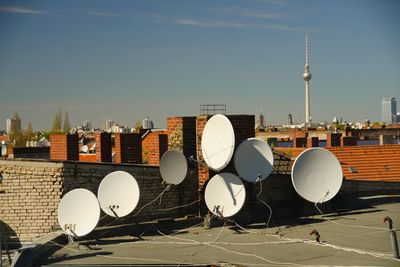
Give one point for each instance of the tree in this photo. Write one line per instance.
(138, 125)
(67, 124)
(57, 123)
(29, 134)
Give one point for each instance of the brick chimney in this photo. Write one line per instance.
(182, 135)
(333, 139)
(64, 147)
(312, 141)
(154, 145)
(128, 148)
(300, 142)
(103, 147)
(348, 141)
(243, 126)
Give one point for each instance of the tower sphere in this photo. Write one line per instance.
(307, 76)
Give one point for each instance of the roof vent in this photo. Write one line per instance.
(353, 169)
(387, 168)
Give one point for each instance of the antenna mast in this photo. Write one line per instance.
(307, 78)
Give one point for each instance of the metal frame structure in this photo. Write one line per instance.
(212, 109)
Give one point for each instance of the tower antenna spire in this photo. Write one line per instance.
(306, 50)
(307, 78)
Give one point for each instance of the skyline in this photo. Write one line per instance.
(125, 61)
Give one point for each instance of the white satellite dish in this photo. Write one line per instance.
(85, 149)
(225, 194)
(218, 142)
(254, 160)
(78, 212)
(173, 167)
(317, 175)
(118, 194)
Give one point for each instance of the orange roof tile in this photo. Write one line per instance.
(372, 163)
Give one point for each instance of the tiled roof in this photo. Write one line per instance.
(376, 163)
(369, 163)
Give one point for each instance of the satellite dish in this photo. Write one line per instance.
(254, 160)
(317, 175)
(173, 167)
(218, 142)
(225, 194)
(78, 212)
(85, 149)
(118, 194)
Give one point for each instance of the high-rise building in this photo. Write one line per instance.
(13, 124)
(8, 126)
(109, 125)
(87, 125)
(389, 110)
(147, 123)
(290, 119)
(261, 120)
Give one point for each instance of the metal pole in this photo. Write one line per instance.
(393, 238)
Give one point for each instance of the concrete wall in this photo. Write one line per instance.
(30, 193)
(32, 152)
(367, 188)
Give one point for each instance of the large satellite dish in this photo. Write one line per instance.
(254, 160)
(173, 167)
(225, 194)
(78, 212)
(218, 142)
(118, 194)
(317, 175)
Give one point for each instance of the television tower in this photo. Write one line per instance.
(307, 78)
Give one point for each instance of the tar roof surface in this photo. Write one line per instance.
(353, 236)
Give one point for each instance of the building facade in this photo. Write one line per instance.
(389, 110)
(87, 126)
(13, 125)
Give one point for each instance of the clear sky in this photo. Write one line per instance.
(123, 60)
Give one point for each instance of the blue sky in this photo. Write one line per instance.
(125, 60)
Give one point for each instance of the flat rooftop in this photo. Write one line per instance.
(354, 235)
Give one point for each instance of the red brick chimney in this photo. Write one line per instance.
(333, 139)
(244, 127)
(64, 147)
(103, 147)
(154, 145)
(312, 141)
(128, 148)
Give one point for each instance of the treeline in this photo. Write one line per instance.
(18, 137)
